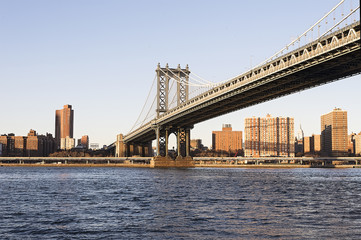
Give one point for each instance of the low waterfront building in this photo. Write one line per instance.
(196, 144)
(94, 146)
(32, 145)
(67, 143)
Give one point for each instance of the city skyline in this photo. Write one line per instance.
(45, 43)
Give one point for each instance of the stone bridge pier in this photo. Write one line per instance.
(183, 157)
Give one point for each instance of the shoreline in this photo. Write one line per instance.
(137, 165)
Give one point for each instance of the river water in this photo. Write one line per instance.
(130, 203)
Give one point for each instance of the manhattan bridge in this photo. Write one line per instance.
(328, 51)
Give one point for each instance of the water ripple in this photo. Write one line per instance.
(117, 203)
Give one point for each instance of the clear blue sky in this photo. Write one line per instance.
(100, 57)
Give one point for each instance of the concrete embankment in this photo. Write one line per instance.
(162, 162)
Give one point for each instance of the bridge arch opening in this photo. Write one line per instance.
(172, 145)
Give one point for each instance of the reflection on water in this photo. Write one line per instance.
(119, 203)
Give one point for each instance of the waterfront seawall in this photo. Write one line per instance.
(204, 162)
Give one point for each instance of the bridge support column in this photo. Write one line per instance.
(140, 150)
(157, 133)
(131, 150)
(188, 145)
(181, 142)
(166, 141)
(120, 147)
(160, 141)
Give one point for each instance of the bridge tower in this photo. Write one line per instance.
(181, 76)
(164, 75)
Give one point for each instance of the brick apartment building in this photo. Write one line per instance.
(32, 145)
(312, 145)
(269, 136)
(227, 140)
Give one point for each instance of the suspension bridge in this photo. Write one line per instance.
(328, 51)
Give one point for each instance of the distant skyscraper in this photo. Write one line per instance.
(64, 123)
(299, 141)
(227, 140)
(269, 136)
(334, 139)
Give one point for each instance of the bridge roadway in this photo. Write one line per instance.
(333, 57)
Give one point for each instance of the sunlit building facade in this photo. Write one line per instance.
(269, 136)
(64, 123)
(227, 140)
(334, 138)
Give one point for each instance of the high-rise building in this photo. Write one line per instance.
(299, 141)
(85, 141)
(334, 139)
(227, 140)
(308, 145)
(4, 144)
(316, 143)
(64, 123)
(269, 136)
(357, 142)
(312, 145)
(351, 144)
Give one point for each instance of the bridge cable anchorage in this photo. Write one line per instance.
(150, 90)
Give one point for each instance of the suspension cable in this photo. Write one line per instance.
(329, 30)
(303, 34)
(189, 84)
(150, 90)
